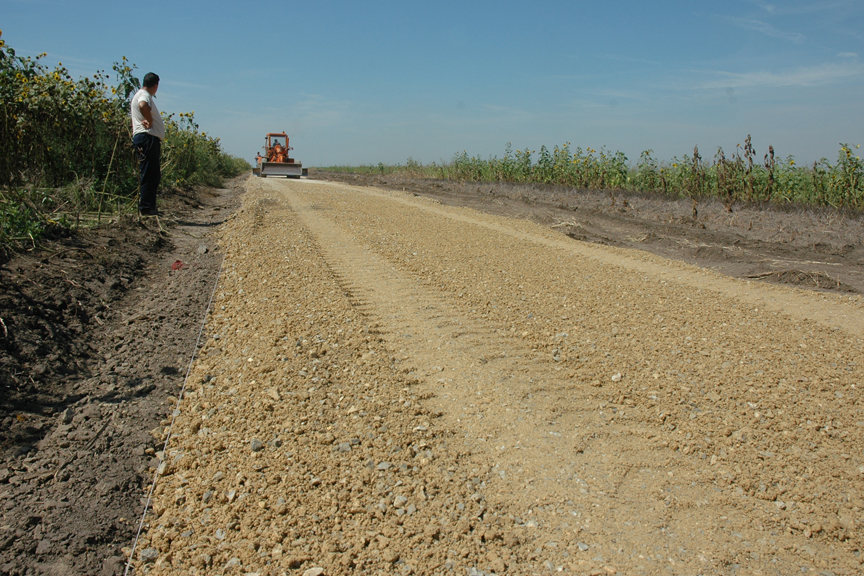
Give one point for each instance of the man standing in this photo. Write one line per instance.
(148, 131)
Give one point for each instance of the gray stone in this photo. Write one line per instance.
(582, 546)
(202, 249)
(67, 415)
(383, 466)
(203, 560)
(400, 500)
(256, 445)
(207, 496)
(343, 447)
(91, 411)
(149, 555)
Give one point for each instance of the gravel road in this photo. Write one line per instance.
(392, 386)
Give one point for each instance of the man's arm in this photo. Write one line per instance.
(147, 112)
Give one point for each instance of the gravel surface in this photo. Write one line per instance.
(806, 246)
(394, 386)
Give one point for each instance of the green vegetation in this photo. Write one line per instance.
(742, 177)
(66, 147)
(379, 168)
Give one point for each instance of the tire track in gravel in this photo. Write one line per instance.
(579, 475)
(648, 425)
(486, 385)
(298, 444)
(835, 311)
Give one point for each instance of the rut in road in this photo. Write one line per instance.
(546, 436)
(506, 404)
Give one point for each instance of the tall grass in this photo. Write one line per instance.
(741, 177)
(379, 168)
(66, 146)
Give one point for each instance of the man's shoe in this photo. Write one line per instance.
(150, 212)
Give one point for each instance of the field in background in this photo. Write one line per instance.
(740, 177)
(66, 148)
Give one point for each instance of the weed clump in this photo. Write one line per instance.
(739, 178)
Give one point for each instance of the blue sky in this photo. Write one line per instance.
(355, 82)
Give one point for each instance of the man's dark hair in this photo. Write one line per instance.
(150, 80)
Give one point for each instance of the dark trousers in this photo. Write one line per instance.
(149, 150)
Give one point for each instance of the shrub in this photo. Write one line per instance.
(66, 145)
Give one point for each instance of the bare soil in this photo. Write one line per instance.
(391, 384)
(97, 331)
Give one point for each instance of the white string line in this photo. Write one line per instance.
(174, 414)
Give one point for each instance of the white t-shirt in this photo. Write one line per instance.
(157, 128)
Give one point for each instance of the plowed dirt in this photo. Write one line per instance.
(96, 330)
(394, 386)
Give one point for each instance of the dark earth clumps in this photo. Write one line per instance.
(97, 332)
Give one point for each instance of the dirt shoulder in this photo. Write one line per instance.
(97, 332)
(810, 248)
